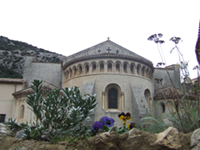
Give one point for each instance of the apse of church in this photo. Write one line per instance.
(121, 80)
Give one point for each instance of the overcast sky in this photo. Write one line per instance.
(69, 26)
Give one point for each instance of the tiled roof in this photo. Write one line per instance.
(10, 80)
(108, 47)
(170, 93)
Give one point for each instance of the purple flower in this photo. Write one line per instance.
(132, 125)
(96, 126)
(107, 121)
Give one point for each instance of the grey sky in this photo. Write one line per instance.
(66, 27)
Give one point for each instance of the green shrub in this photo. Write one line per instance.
(62, 112)
(5, 53)
(8, 73)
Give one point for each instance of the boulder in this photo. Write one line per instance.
(168, 138)
(194, 140)
(4, 130)
(20, 134)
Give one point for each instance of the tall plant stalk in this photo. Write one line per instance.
(185, 118)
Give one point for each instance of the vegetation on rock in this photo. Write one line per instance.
(12, 55)
(8, 73)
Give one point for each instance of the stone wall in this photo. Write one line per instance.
(7, 100)
(49, 72)
(162, 73)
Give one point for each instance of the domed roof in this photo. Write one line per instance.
(106, 49)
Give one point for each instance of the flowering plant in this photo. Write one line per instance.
(125, 117)
(104, 123)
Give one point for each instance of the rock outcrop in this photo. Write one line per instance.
(169, 139)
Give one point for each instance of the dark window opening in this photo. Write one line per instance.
(2, 117)
(80, 70)
(117, 68)
(94, 67)
(86, 69)
(138, 70)
(109, 67)
(101, 67)
(132, 68)
(112, 98)
(75, 71)
(163, 107)
(125, 68)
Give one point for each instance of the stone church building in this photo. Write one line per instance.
(121, 80)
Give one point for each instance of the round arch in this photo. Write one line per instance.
(113, 97)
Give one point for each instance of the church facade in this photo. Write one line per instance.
(121, 80)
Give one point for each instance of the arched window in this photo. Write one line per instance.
(70, 72)
(147, 72)
(143, 71)
(86, 68)
(101, 67)
(67, 74)
(125, 68)
(21, 112)
(147, 95)
(112, 98)
(162, 107)
(117, 67)
(132, 68)
(80, 70)
(94, 67)
(75, 71)
(109, 67)
(138, 69)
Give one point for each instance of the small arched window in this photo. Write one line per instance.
(143, 71)
(147, 95)
(75, 71)
(117, 68)
(70, 73)
(113, 98)
(147, 72)
(86, 68)
(67, 74)
(94, 67)
(162, 107)
(109, 67)
(125, 68)
(80, 70)
(101, 67)
(132, 68)
(138, 69)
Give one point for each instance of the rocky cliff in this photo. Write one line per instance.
(12, 54)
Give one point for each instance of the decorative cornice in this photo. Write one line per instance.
(108, 55)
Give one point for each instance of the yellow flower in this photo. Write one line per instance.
(128, 117)
(128, 126)
(121, 117)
